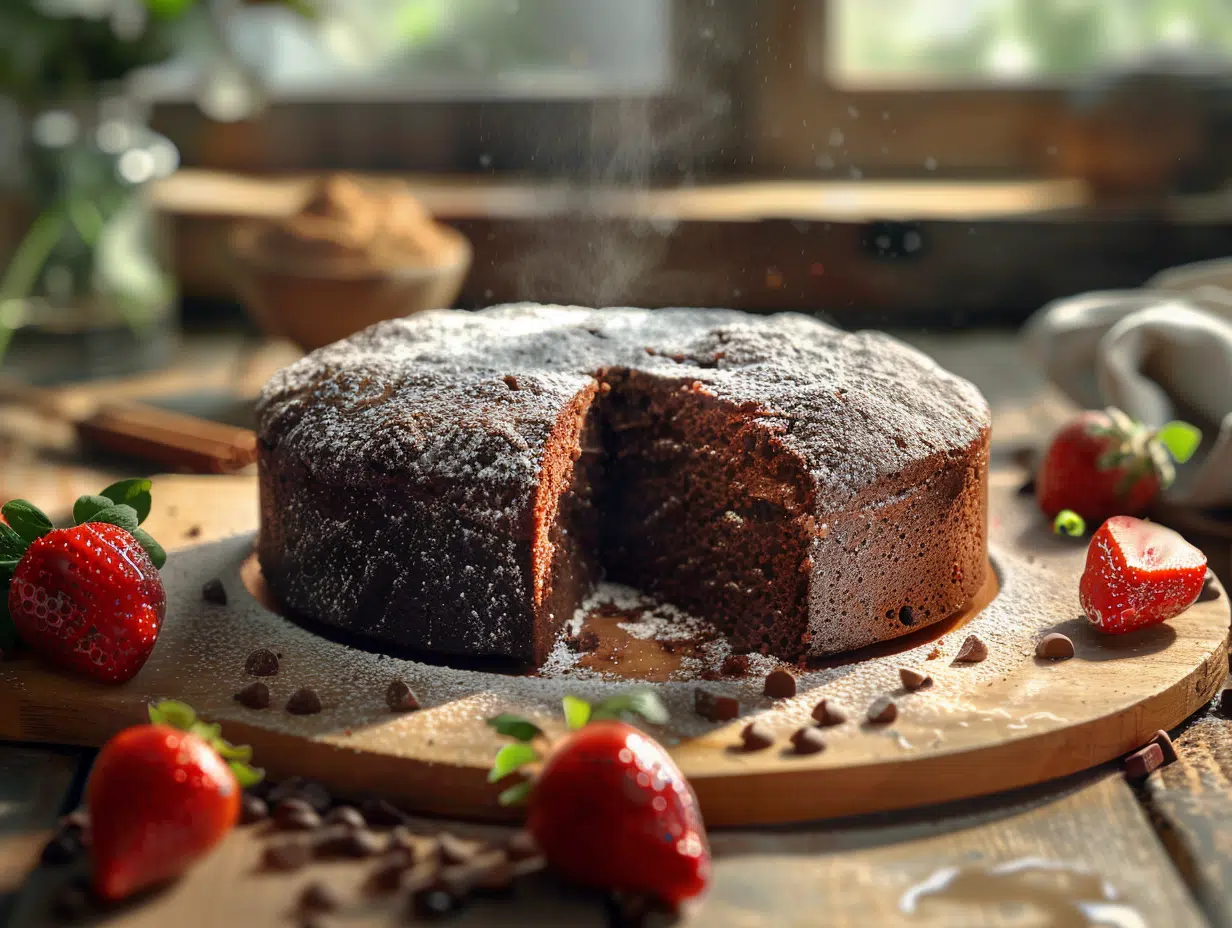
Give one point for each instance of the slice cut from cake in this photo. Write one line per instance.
(455, 483)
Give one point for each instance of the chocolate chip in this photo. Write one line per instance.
(64, 847)
(715, 708)
(1164, 741)
(521, 847)
(808, 740)
(1143, 761)
(261, 663)
(310, 791)
(735, 665)
(492, 874)
(756, 737)
(400, 697)
(381, 813)
(194, 531)
(914, 680)
(255, 695)
(319, 897)
(304, 701)
(828, 712)
(214, 592)
(287, 855)
(253, 809)
(296, 815)
(973, 651)
(587, 640)
(345, 815)
(780, 684)
(452, 850)
(361, 843)
(1055, 646)
(1027, 488)
(883, 711)
(389, 874)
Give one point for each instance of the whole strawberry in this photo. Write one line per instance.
(1104, 464)
(1138, 574)
(88, 597)
(610, 809)
(160, 797)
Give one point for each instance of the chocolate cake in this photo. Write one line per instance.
(455, 483)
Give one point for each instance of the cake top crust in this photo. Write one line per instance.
(461, 403)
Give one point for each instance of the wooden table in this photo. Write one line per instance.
(1163, 845)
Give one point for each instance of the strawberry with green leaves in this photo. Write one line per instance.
(160, 797)
(608, 807)
(88, 597)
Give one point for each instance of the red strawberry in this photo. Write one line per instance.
(1138, 574)
(1105, 464)
(88, 597)
(160, 796)
(610, 808)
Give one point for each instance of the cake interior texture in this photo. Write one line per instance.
(462, 501)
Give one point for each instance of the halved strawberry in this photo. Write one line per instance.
(1138, 574)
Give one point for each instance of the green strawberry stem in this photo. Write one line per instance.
(181, 716)
(125, 503)
(1142, 451)
(1069, 523)
(522, 755)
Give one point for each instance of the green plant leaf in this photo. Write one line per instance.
(168, 9)
(122, 515)
(133, 492)
(645, 703)
(514, 726)
(245, 775)
(516, 795)
(1181, 439)
(577, 712)
(1069, 523)
(87, 507)
(26, 519)
(511, 757)
(12, 545)
(152, 547)
(174, 713)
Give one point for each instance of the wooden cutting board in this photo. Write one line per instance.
(1011, 721)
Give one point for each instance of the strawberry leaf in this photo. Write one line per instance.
(1181, 439)
(516, 727)
(511, 757)
(134, 492)
(1069, 523)
(87, 507)
(152, 547)
(123, 515)
(577, 712)
(26, 519)
(245, 775)
(12, 545)
(171, 712)
(639, 702)
(516, 795)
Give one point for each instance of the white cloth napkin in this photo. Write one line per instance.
(1160, 353)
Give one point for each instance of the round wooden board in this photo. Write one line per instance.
(1011, 721)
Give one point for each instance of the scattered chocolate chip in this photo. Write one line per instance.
(255, 695)
(72, 902)
(715, 708)
(400, 697)
(310, 791)
(304, 701)
(1027, 488)
(756, 737)
(973, 651)
(883, 711)
(319, 897)
(360, 843)
(261, 663)
(194, 531)
(1164, 740)
(296, 815)
(1143, 761)
(287, 855)
(253, 809)
(521, 847)
(214, 592)
(780, 684)
(64, 847)
(345, 815)
(492, 874)
(1055, 647)
(735, 665)
(381, 813)
(808, 740)
(914, 680)
(828, 712)
(587, 640)
(389, 874)
(933, 654)
(452, 850)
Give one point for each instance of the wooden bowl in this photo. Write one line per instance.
(315, 305)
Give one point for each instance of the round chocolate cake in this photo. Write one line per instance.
(455, 483)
